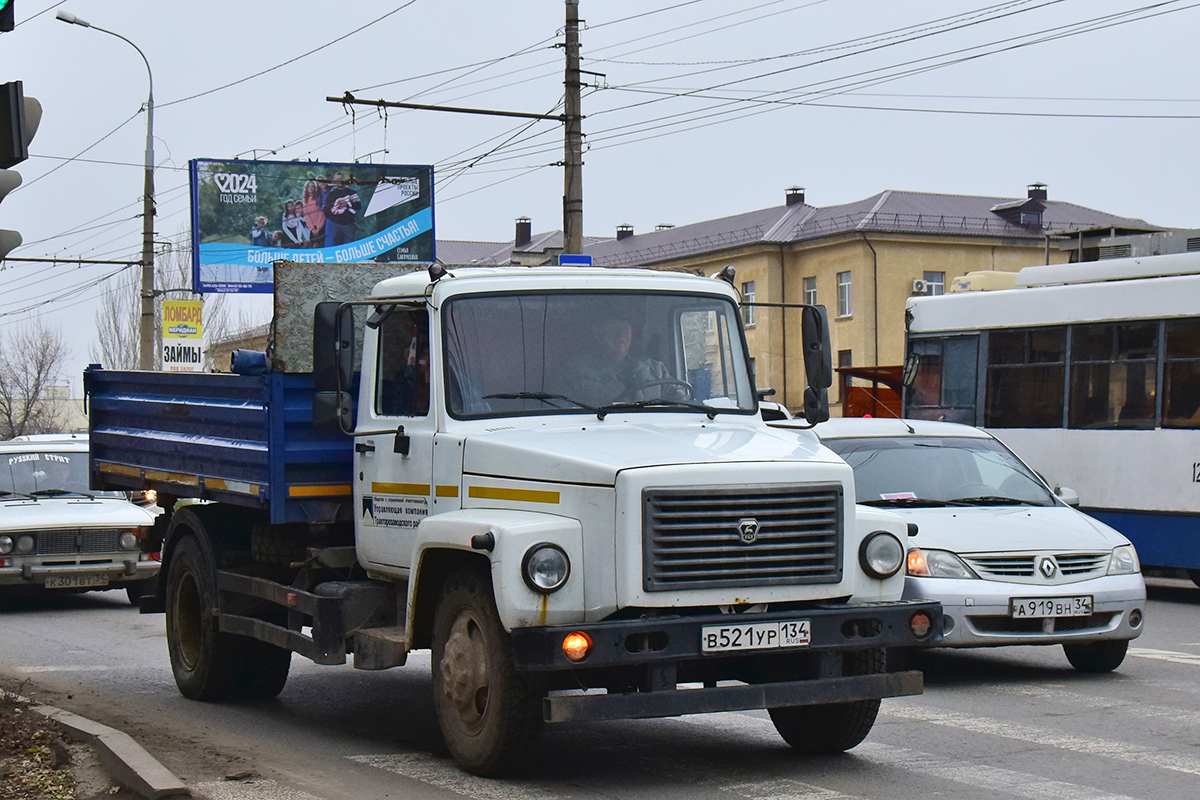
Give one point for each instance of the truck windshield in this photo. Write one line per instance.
(565, 352)
(44, 473)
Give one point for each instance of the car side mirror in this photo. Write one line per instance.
(1067, 495)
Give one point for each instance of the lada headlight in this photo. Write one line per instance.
(937, 564)
(1124, 561)
(128, 540)
(881, 555)
(6, 545)
(26, 544)
(545, 567)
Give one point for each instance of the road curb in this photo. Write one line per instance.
(126, 761)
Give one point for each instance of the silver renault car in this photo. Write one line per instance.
(1010, 561)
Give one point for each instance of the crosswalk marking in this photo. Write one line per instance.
(248, 790)
(783, 789)
(446, 775)
(1094, 702)
(1165, 655)
(1087, 745)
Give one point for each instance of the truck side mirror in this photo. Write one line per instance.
(818, 364)
(333, 366)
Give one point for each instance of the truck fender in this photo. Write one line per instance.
(868, 520)
(513, 533)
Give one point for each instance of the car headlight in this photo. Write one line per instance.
(881, 555)
(1124, 561)
(6, 545)
(128, 541)
(545, 568)
(937, 564)
(25, 544)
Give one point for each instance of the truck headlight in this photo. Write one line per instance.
(128, 541)
(1124, 561)
(6, 545)
(881, 555)
(25, 544)
(545, 567)
(937, 564)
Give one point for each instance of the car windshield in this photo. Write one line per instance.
(44, 473)
(567, 352)
(927, 470)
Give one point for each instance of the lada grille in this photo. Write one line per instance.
(696, 537)
(78, 540)
(1022, 567)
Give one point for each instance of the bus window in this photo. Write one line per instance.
(1113, 375)
(1181, 394)
(1025, 378)
(944, 385)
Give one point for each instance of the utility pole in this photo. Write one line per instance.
(573, 144)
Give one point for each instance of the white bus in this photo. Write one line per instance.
(1091, 373)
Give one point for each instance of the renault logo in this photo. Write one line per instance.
(1047, 567)
(748, 530)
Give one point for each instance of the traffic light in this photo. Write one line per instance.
(19, 118)
(7, 23)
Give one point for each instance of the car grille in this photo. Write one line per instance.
(1022, 567)
(998, 624)
(78, 540)
(692, 536)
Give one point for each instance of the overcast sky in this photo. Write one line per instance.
(703, 109)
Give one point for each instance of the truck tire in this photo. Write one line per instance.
(1097, 656)
(835, 727)
(262, 670)
(488, 712)
(203, 659)
(277, 545)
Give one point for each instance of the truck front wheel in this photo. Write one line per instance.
(488, 712)
(202, 658)
(835, 727)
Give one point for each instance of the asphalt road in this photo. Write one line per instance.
(1010, 722)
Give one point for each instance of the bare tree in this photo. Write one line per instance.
(118, 320)
(31, 361)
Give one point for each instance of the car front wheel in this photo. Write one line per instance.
(1096, 656)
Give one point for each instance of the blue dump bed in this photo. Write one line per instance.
(241, 439)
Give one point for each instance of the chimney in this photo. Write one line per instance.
(624, 231)
(663, 226)
(794, 195)
(1037, 191)
(524, 232)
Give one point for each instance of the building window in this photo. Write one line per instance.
(845, 358)
(1025, 378)
(844, 308)
(810, 291)
(747, 299)
(1113, 375)
(935, 283)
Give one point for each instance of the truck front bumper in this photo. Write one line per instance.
(659, 645)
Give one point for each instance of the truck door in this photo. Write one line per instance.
(392, 490)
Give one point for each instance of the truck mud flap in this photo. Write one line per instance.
(676, 702)
(327, 645)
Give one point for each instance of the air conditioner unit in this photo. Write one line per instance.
(920, 286)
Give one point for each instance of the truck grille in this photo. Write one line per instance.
(79, 540)
(693, 536)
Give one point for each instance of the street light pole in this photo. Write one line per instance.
(146, 349)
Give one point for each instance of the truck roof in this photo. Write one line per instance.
(415, 284)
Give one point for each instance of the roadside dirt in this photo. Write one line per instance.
(39, 761)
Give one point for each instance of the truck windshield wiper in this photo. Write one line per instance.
(904, 502)
(990, 500)
(633, 405)
(545, 397)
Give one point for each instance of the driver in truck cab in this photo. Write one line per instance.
(607, 371)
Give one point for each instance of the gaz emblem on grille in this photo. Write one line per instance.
(1047, 567)
(748, 530)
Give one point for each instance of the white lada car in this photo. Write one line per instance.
(58, 534)
(1010, 562)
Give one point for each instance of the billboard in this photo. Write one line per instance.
(183, 335)
(246, 215)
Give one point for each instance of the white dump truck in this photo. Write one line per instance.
(555, 479)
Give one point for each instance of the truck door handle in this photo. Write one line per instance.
(364, 447)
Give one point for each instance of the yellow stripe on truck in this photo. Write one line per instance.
(323, 490)
(519, 495)
(400, 488)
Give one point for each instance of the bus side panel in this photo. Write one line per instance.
(1162, 540)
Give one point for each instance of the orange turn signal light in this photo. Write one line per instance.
(916, 563)
(577, 646)
(920, 624)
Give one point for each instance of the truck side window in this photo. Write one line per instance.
(402, 371)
